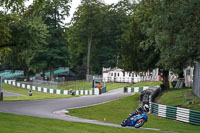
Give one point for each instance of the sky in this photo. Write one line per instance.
(74, 5)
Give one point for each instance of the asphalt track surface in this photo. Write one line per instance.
(56, 108)
(9, 94)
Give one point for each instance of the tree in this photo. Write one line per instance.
(29, 36)
(175, 30)
(53, 13)
(89, 19)
(137, 52)
(107, 23)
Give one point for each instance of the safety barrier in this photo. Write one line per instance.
(53, 91)
(170, 112)
(176, 113)
(136, 89)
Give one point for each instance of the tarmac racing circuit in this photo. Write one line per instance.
(56, 108)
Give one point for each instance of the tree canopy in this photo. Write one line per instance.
(136, 36)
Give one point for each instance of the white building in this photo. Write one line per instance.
(119, 75)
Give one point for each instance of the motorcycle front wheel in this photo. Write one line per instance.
(139, 123)
(123, 124)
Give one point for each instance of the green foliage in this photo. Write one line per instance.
(12, 5)
(28, 36)
(175, 30)
(137, 53)
(36, 34)
(53, 14)
(106, 24)
(5, 31)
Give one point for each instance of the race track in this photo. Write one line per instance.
(55, 108)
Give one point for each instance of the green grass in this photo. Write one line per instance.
(85, 85)
(140, 84)
(81, 85)
(26, 124)
(75, 85)
(36, 95)
(116, 111)
(180, 98)
(111, 86)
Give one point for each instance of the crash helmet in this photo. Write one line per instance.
(146, 108)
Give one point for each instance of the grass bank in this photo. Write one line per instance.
(26, 124)
(116, 111)
(140, 84)
(36, 95)
(180, 98)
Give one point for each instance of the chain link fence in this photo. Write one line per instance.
(45, 84)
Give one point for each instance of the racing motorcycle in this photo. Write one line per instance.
(135, 121)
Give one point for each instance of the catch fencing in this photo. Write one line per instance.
(45, 84)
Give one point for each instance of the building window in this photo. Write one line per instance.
(118, 74)
(123, 73)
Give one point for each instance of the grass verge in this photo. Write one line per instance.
(80, 85)
(141, 84)
(116, 111)
(36, 95)
(183, 98)
(27, 124)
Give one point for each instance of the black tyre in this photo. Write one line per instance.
(139, 123)
(123, 124)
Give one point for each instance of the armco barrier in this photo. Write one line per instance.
(54, 91)
(176, 113)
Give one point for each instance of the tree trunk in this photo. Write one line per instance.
(181, 74)
(88, 57)
(26, 74)
(166, 79)
(51, 73)
(43, 74)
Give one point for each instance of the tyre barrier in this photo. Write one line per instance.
(55, 91)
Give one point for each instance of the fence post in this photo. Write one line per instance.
(150, 104)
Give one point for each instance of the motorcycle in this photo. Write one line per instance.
(136, 121)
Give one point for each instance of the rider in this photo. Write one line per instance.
(140, 110)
